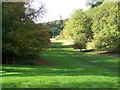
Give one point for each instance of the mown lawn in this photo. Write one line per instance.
(64, 67)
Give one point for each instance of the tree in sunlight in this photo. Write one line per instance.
(78, 28)
(105, 26)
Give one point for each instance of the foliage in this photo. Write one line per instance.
(55, 27)
(98, 26)
(105, 26)
(78, 28)
(61, 35)
(54, 31)
(20, 36)
(80, 41)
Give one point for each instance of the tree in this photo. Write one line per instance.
(98, 25)
(20, 36)
(80, 41)
(34, 13)
(55, 27)
(78, 28)
(105, 27)
(54, 31)
(1, 32)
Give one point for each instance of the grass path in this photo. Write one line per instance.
(64, 68)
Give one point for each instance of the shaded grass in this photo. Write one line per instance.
(69, 69)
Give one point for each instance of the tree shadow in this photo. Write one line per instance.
(102, 61)
(82, 65)
(87, 50)
(56, 71)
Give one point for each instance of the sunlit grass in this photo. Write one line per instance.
(64, 42)
(68, 68)
(62, 81)
(57, 77)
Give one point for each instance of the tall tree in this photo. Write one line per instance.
(105, 26)
(19, 34)
(78, 28)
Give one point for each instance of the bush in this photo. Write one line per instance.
(80, 41)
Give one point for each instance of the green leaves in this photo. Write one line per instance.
(55, 27)
(99, 25)
(20, 36)
(78, 28)
(105, 26)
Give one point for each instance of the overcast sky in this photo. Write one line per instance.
(55, 8)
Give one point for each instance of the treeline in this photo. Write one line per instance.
(96, 28)
(55, 27)
(21, 37)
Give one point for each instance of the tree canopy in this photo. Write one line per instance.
(20, 36)
(98, 25)
(78, 28)
(105, 26)
(55, 27)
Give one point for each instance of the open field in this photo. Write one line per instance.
(63, 67)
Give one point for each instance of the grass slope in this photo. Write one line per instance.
(67, 68)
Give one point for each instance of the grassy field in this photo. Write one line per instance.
(63, 67)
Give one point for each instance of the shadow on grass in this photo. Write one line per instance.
(56, 44)
(67, 63)
(87, 50)
(26, 71)
(93, 59)
(35, 72)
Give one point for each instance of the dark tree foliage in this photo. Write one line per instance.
(20, 36)
(0, 32)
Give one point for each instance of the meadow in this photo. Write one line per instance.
(64, 67)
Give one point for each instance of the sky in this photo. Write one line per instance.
(57, 8)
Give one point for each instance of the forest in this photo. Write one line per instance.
(85, 51)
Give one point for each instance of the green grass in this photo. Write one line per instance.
(67, 68)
